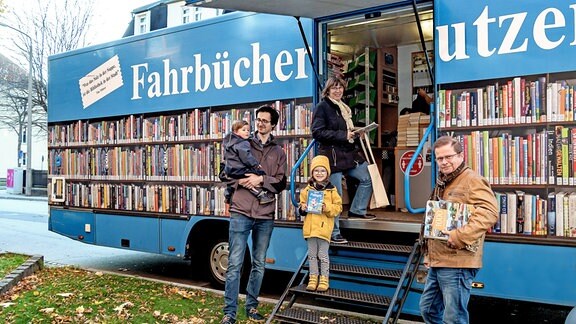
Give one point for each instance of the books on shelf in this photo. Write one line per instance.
(443, 216)
(315, 201)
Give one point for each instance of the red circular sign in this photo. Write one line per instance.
(418, 164)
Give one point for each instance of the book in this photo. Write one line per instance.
(365, 129)
(315, 201)
(444, 216)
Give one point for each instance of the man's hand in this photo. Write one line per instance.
(450, 242)
(251, 181)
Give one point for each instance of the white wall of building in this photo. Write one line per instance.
(9, 153)
(175, 10)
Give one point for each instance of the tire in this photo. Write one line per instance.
(218, 252)
(216, 256)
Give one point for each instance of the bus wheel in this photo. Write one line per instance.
(218, 261)
(217, 254)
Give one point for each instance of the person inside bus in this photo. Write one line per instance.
(249, 218)
(239, 161)
(453, 264)
(318, 224)
(332, 128)
(422, 102)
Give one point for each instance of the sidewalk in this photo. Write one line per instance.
(37, 196)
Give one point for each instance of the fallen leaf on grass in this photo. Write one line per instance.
(122, 306)
(5, 305)
(65, 295)
(47, 310)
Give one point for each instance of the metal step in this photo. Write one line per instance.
(298, 315)
(379, 247)
(365, 271)
(372, 300)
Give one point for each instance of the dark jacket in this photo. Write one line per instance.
(272, 158)
(330, 131)
(238, 157)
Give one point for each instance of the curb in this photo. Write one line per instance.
(29, 267)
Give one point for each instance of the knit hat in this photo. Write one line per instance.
(320, 161)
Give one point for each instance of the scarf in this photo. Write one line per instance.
(444, 179)
(346, 114)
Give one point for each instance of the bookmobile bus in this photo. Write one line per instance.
(136, 125)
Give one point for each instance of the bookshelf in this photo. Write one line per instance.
(163, 163)
(520, 134)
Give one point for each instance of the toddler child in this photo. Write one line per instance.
(239, 161)
(318, 227)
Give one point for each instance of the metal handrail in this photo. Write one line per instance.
(293, 173)
(413, 160)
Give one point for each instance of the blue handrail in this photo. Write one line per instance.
(293, 173)
(413, 160)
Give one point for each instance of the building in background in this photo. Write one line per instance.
(167, 13)
(10, 157)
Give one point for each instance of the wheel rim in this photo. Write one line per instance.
(219, 261)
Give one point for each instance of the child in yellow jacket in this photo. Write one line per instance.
(319, 222)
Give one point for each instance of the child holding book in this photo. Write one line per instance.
(319, 221)
(239, 161)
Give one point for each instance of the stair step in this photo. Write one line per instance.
(365, 271)
(380, 247)
(311, 316)
(366, 299)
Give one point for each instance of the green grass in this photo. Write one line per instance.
(9, 262)
(70, 295)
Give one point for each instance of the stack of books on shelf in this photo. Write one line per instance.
(335, 66)
(403, 124)
(411, 128)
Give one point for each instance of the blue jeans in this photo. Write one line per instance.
(363, 193)
(446, 295)
(240, 228)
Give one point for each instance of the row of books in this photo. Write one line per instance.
(174, 162)
(517, 101)
(411, 128)
(519, 213)
(197, 124)
(530, 214)
(545, 157)
(169, 199)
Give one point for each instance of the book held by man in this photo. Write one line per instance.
(444, 216)
(315, 201)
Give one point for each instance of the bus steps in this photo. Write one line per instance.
(348, 269)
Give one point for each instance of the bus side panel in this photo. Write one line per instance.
(76, 225)
(127, 232)
(173, 233)
(538, 273)
(287, 249)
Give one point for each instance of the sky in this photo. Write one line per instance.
(111, 17)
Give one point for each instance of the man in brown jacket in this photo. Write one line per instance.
(248, 216)
(453, 264)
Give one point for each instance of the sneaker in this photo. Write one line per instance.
(253, 315)
(338, 239)
(354, 216)
(266, 199)
(227, 319)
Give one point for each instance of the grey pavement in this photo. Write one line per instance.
(37, 195)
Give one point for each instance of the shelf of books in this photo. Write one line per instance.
(164, 164)
(520, 134)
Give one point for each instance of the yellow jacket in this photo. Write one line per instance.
(321, 225)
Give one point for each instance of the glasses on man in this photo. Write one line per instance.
(262, 121)
(448, 158)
